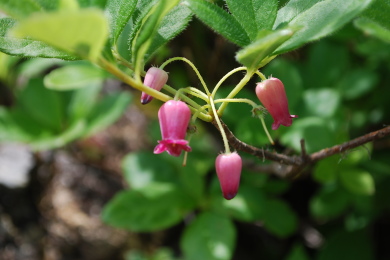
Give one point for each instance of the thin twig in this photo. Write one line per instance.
(299, 163)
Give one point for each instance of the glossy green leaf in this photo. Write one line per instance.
(154, 207)
(318, 20)
(279, 219)
(81, 32)
(219, 20)
(358, 181)
(27, 47)
(348, 245)
(74, 76)
(107, 111)
(209, 237)
(370, 27)
(254, 16)
(119, 13)
(322, 102)
(171, 25)
(19, 9)
(330, 202)
(291, 10)
(253, 55)
(143, 168)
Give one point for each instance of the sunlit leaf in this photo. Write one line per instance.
(81, 32)
(209, 237)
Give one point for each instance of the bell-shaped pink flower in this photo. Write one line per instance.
(228, 167)
(174, 117)
(155, 78)
(273, 96)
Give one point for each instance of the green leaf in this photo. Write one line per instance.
(171, 25)
(74, 76)
(18, 126)
(297, 253)
(322, 102)
(330, 202)
(358, 181)
(149, 28)
(71, 133)
(107, 111)
(219, 20)
(318, 20)
(209, 237)
(48, 4)
(291, 10)
(82, 102)
(309, 129)
(327, 64)
(26, 47)
(347, 245)
(92, 3)
(19, 9)
(253, 55)
(279, 219)
(81, 32)
(370, 27)
(119, 13)
(144, 168)
(42, 104)
(378, 12)
(254, 16)
(357, 83)
(248, 205)
(325, 170)
(154, 207)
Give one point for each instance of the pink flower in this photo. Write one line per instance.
(228, 167)
(273, 96)
(174, 117)
(155, 78)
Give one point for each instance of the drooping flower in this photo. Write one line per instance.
(228, 167)
(272, 95)
(174, 117)
(155, 78)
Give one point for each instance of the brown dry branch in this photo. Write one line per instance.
(292, 166)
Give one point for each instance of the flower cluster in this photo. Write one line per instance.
(174, 117)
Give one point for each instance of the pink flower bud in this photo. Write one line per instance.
(155, 78)
(174, 117)
(228, 167)
(273, 96)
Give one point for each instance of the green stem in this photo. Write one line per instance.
(192, 66)
(224, 78)
(236, 100)
(266, 131)
(150, 91)
(261, 75)
(236, 90)
(216, 117)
